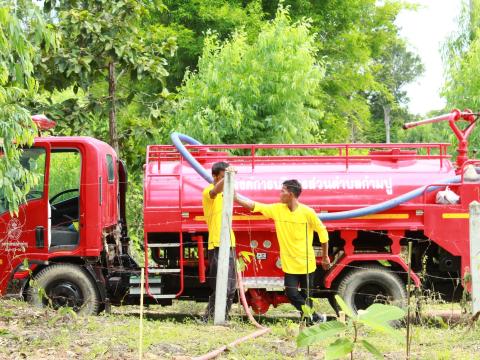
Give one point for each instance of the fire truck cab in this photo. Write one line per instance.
(71, 229)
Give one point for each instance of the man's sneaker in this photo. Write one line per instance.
(319, 318)
(202, 320)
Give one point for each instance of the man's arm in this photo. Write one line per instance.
(267, 210)
(323, 236)
(247, 204)
(217, 189)
(325, 258)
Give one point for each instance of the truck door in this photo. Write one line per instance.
(27, 232)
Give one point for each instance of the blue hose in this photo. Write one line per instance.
(383, 206)
(177, 139)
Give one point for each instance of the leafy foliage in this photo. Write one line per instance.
(353, 37)
(190, 21)
(376, 317)
(254, 93)
(97, 32)
(319, 332)
(106, 40)
(396, 66)
(22, 42)
(462, 59)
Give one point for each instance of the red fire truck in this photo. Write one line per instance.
(69, 244)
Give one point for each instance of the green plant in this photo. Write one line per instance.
(465, 301)
(260, 92)
(63, 312)
(24, 37)
(376, 317)
(308, 311)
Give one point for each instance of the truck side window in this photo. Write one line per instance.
(110, 168)
(32, 159)
(64, 194)
(65, 171)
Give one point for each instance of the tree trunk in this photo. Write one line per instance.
(386, 113)
(112, 117)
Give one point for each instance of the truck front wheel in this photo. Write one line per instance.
(371, 284)
(64, 285)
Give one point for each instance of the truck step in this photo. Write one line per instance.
(163, 271)
(153, 291)
(165, 296)
(163, 245)
(151, 280)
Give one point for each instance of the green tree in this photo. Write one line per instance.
(191, 20)
(461, 55)
(353, 35)
(396, 67)
(24, 36)
(107, 44)
(261, 92)
(462, 59)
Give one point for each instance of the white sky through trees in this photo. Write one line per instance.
(426, 29)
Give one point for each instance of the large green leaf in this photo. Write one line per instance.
(344, 306)
(385, 263)
(372, 349)
(385, 328)
(378, 316)
(382, 313)
(339, 349)
(319, 332)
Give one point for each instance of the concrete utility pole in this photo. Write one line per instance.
(224, 251)
(475, 254)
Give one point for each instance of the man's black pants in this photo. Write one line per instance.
(212, 280)
(299, 298)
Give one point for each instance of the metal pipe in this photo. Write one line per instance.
(201, 259)
(445, 117)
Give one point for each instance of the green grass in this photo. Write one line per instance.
(173, 332)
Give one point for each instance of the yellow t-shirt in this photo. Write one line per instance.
(295, 235)
(212, 211)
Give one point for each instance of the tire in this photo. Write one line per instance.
(65, 285)
(361, 288)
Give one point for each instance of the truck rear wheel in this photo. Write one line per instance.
(64, 285)
(372, 284)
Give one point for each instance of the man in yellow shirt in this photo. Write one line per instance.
(294, 225)
(212, 200)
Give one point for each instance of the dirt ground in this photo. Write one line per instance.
(175, 333)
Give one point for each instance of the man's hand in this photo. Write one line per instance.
(231, 169)
(325, 263)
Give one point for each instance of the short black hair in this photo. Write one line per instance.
(293, 186)
(219, 166)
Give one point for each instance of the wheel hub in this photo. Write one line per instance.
(369, 294)
(65, 294)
